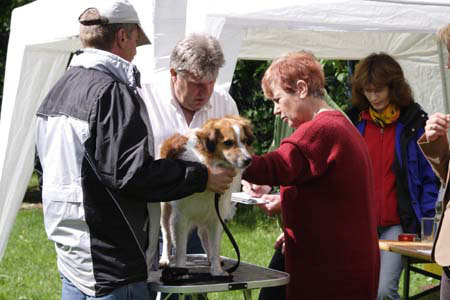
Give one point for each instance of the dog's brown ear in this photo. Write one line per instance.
(208, 138)
(249, 134)
(210, 145)
(173, 146)
(211, 140)
(248, 130)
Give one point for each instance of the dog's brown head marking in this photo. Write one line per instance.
(227, 140)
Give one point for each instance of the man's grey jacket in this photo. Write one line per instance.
(94, 143)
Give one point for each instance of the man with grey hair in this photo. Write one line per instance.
(182, 99)
(95, 146)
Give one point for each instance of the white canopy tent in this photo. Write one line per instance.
(338, 29)
(39, 50)
(261, 29)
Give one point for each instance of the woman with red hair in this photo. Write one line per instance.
(326, 187)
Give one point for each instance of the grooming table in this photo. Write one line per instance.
(245, 278)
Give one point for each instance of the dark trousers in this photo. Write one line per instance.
(276, 292)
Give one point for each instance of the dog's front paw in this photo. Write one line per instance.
(164, 262)
(218, 272)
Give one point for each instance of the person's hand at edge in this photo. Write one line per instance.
(436, 126)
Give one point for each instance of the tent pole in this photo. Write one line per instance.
(443, 76)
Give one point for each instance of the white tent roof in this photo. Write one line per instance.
(338, 29)
(260, 29)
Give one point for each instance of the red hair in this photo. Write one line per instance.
(292, 67)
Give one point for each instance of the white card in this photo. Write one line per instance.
(245, 198)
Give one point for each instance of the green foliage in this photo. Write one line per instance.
(337, 79)
(246, 90)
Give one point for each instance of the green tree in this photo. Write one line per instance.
(6, 7)
(246, 91)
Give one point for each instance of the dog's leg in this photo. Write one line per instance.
(203, 234)
(165, 229)
(214, 237)
(181, 228)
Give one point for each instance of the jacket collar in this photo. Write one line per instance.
(107, 62)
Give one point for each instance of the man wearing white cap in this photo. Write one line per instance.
(95, 146)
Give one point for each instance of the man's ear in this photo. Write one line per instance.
(302, 89)
(173, 74)
(121, 38)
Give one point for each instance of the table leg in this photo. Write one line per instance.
(247, 294)
(406, 274)
(166, 298)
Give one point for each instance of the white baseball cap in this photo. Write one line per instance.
(114, 12)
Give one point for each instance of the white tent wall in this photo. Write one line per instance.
(167, 27)
(342, 29)
(18, 158)
(39, 49)
(30, 72)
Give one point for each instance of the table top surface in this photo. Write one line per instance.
(247, 276)
(419, 250)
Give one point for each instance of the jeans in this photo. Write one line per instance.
(132, 291)
(390, 265)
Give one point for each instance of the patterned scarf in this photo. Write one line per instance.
(389, 115)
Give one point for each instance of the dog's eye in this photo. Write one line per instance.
(228, 143)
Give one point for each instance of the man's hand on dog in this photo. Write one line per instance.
(219, 179)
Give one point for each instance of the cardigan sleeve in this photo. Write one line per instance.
(299, 158)
(437, 153)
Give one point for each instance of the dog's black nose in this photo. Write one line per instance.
(247, 161)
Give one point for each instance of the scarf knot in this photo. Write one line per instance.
(389, 115)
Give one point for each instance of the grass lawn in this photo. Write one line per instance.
(28, 269)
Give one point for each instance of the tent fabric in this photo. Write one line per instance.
(37, 56)
(262, 29)
(341, 29)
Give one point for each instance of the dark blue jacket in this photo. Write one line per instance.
(417, 185)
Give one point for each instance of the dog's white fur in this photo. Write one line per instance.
(223, 142)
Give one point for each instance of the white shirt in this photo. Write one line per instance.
(167, 118)
(166, 115)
